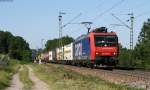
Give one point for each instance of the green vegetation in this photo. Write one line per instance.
(4, 79)
(140, 56)
(142, 49)
(15, 46)
(51, 44)
(126, 58)
(24, 77)
(60, 78)
(6, 72)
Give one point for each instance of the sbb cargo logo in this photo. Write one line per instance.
(78, 49)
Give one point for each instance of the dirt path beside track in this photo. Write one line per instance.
(16, 84)
(38, 84)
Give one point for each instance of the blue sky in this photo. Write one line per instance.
(38, 19)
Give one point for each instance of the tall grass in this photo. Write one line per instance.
(59, 78)
(6, 72)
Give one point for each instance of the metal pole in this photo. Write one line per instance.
(60, 29)
(131, 32)
(130, 27)
(131, 36)
(60, 34)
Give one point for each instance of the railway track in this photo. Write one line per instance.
(132, 78)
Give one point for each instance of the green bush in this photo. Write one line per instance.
(6, 73)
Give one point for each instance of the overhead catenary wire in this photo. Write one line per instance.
(99, 3)
(69, 22)
(142, 14)
(130, 27)
(120, 21)
(106, 11)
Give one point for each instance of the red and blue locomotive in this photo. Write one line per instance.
(98, 47)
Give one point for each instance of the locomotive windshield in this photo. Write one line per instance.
(106, 40)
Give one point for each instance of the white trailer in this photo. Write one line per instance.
(52, 55)
(68, 52)
(59, 54)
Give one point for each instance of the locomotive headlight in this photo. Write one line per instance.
(114, 53)
(97, 53)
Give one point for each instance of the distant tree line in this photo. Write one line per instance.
(15, 46)
(52, 44)
(140, 56)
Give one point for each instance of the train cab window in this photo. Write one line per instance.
(99, 40)
(111, 40)
(106, 41)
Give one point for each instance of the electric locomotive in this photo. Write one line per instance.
(98, 47)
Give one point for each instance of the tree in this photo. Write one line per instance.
(125, 57)
(67, 40)
(19, 48)
(4, 41)
(15, 46)
(142, 49)
(52, 44)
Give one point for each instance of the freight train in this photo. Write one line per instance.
(98, 47)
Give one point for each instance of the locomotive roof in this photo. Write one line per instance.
(108, 33)
(81, 37)
(97, 31)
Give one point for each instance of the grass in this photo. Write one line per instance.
(24, 77)
(5, 78)
(6, 73)
(59, 78)
(8, 69)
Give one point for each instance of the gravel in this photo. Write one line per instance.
(132, 78)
